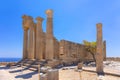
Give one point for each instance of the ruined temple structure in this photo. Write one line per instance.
(42, 46)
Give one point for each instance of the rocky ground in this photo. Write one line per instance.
(112, 64)
(65, 73)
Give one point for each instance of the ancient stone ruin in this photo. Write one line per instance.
(43, 47)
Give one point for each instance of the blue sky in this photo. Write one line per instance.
(74, 20)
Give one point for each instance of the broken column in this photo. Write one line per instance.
(49, 36)
(31, 38)
(80, 65)
(53, 74)
(99, 50)
(25, 40)
(39, 39)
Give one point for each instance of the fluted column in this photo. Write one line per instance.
(99, 51)
(25, 39)
(39, 39)
(31, 38)
(49, 36)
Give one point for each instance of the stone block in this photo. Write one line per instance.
(80, 65)
(53, 74)
(53, 63)
(43, 77)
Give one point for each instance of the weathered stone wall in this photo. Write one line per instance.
(71, 51)
(62, 49)
(56, 49)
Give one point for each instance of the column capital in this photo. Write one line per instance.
(24, 16)
(39, 19)
(27, 17)
(25, 28)
(99, 24)
(27, 21)
(49, 13)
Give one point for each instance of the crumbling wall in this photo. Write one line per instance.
(74, 51)
(71, 51)
(56, 49)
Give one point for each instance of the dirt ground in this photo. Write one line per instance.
(83, 75)
(67, 74)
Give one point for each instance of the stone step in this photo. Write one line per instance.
(33, 69)
(34, 66)
(29, 62)
(26, 64)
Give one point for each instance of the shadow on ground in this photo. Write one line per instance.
(19, 70)
(26, 76)
(4, 67)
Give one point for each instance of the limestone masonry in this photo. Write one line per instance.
(39, 45)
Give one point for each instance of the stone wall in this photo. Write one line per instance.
(56, 49)
(71, 51)
(74, 51)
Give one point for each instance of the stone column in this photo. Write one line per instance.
(25, 40)
(104, 49)
(35, 40)
(39, 39)
(25, 43)
(49, 36)
(99, 51)
(31, 38)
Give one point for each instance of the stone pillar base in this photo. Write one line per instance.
(53, 74)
